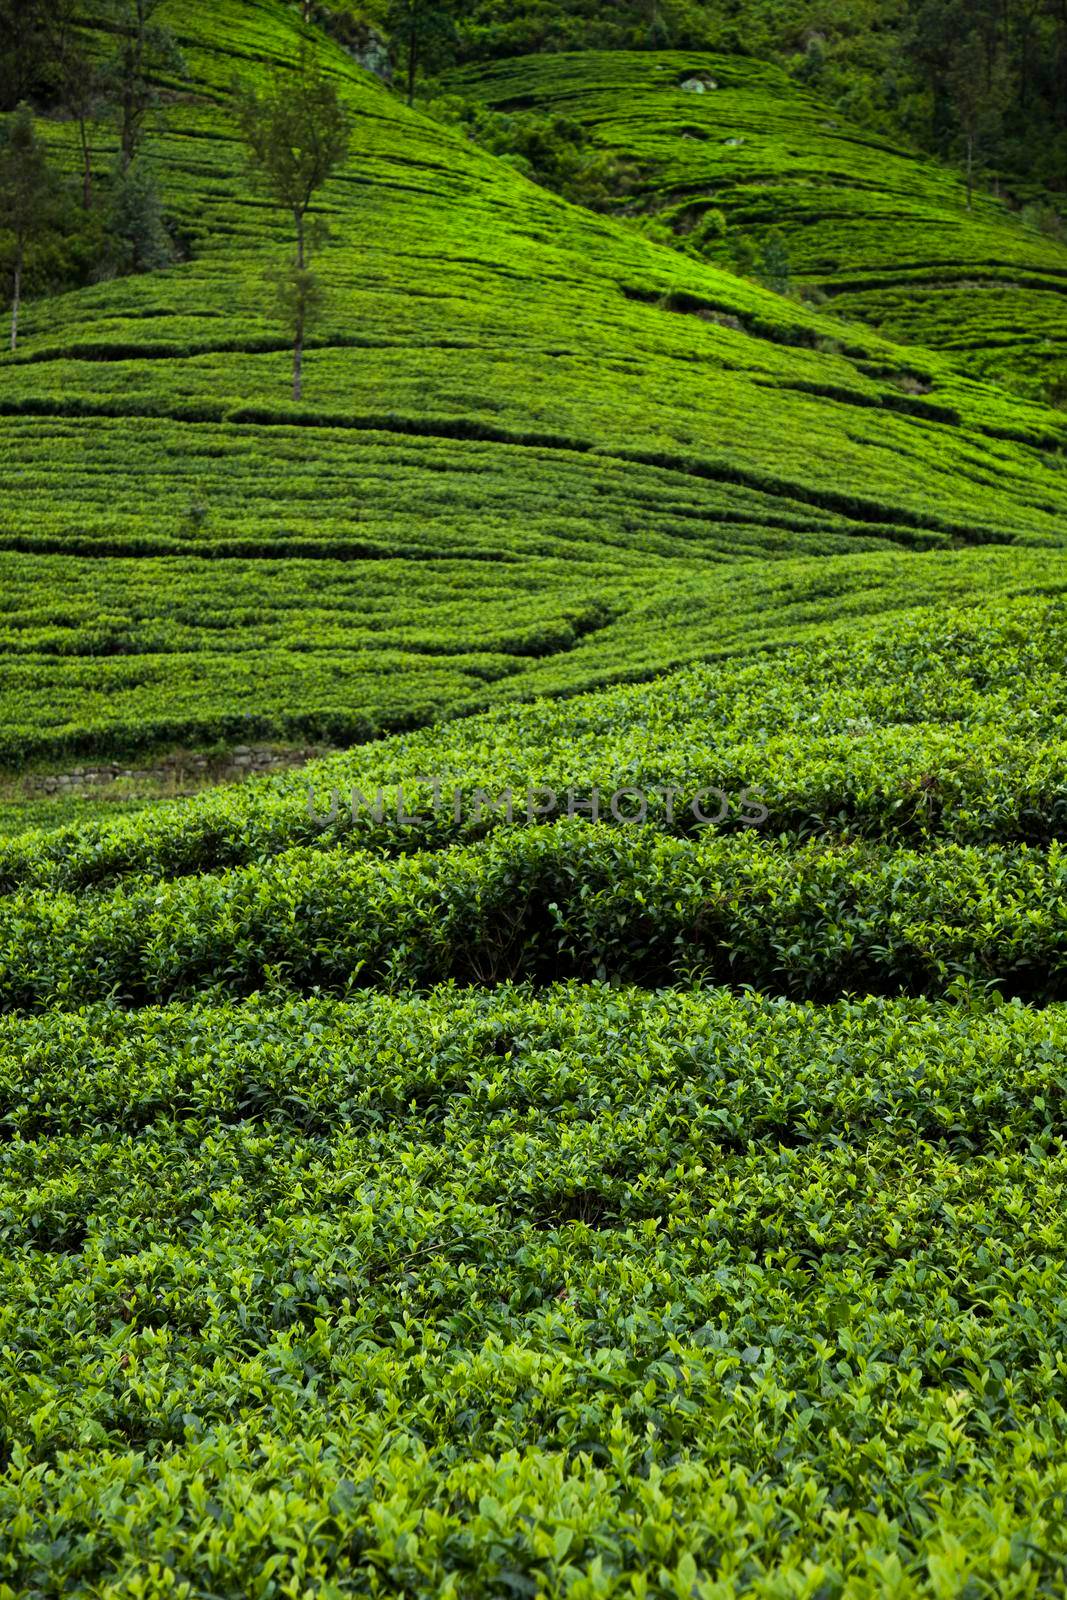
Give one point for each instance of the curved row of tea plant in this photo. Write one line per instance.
(131, 655)
(915, 725)
(811, 921)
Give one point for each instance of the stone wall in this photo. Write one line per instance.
(175, 772)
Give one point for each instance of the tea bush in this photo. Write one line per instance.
(433, 1206)
(901, 723)
(589, 1292)
(131, 654)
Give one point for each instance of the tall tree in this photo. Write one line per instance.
(23, 51)
(979, 88)
(423, 33)
(77, 79)
(146, 52)
(934, 28)
(297, 133)
(29, 199)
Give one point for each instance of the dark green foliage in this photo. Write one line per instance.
(424, 37)
(147, 51)
(141, 241)
(978, 86)
(29, 202)
(24, 53)
(81, 81)
(552, 150)
(994, 76)
(774, 261)
(495, 28)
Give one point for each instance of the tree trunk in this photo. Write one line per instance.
(413, 65)
(298, 339)
(17, 296)
(87, 165)
(298, 360)
(128, 140)
(970, 169)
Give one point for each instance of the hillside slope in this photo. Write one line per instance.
(503, 381)
(886, 235)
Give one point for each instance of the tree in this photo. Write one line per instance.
(299, 299)
(297, 134)
(77, 80)
(140, 241)
(23, 51)
(978, 86)
(774, 265)
(146, 52)
(29, 198)
(424, 31)
(960, 50)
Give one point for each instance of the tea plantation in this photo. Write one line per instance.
(601, 1130)
(564, 419)
(877, 233)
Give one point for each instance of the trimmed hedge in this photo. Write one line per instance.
(811, 922)
(921, 726)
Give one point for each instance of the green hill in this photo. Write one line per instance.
(885, 236)
(575, 421)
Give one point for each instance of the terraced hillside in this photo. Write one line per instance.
(569, 422)
(885, 235)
